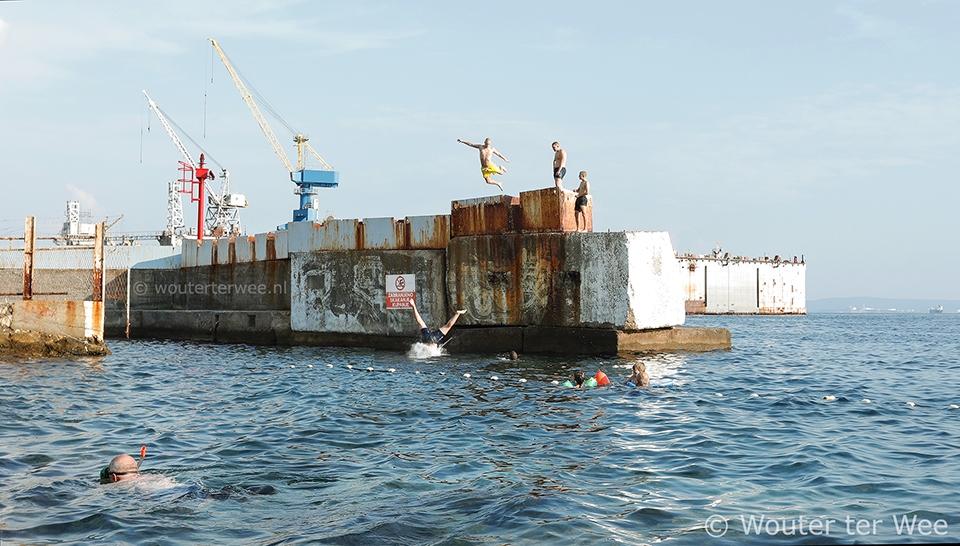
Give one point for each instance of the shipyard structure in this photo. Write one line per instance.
(527, 279)
(721, 284)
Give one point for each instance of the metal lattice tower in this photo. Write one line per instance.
(175, 224)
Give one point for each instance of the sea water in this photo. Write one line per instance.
(812, 430)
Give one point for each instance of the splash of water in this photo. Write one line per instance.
(421, 351)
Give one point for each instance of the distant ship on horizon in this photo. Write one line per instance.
(938, 310)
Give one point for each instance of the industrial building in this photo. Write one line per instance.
(721, 284)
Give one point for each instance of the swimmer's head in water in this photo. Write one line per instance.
(122, 467)
(578, 378)
(639, 367)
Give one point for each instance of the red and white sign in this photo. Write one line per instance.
(400, 290)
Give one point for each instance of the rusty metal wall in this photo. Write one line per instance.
(384, 234)
(245, 248)
(484, 277)
(189, 253)
(262, 243)
(415, 232)
(551, 210)
(597, 280)
(428, 232)
(330, 235)
(551, 280)
(226, 250)
(338, 235)
(207, 251)
(485, 216)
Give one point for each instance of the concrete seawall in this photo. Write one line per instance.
(52, 328)
(72, 322)
(527, 279)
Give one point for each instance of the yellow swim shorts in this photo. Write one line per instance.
(490, 170)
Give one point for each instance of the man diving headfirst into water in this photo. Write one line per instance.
(487, 167)
(433, 337)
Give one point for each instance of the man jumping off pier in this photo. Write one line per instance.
(487, 167)
(433, 337)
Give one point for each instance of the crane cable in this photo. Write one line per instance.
(260, 99)
(184, 133)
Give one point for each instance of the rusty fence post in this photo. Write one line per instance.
(29, 239)
(98, 276)
(128, 296)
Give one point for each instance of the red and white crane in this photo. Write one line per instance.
(222, 214)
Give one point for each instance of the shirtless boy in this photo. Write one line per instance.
(559, 164)
(487, 166)
(582, 192)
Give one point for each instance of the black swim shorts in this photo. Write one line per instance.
(427, 336)
(558, 173)
(581, 202)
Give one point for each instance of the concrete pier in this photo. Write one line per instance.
(530, 283)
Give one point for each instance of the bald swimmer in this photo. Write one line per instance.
(122, 467)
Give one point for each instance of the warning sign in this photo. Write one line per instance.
(400, 290)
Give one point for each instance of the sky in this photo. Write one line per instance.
(823, 129)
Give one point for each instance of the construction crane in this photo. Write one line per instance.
(222, 209)
(307, 180)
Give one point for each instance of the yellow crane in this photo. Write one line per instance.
(307, 180)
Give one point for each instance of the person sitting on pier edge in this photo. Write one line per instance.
(639, 377)
(122, 467)
(433, 337)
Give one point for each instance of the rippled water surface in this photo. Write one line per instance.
(275, 445)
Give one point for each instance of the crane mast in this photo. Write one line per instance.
(222, 214)
(307, 180)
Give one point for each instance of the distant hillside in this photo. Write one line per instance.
(879, 305)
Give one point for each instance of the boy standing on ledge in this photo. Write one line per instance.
(559, 164)
(582, 192)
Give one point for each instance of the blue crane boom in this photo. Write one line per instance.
(307, 180)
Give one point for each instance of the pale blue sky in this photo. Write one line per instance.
(829, 129)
